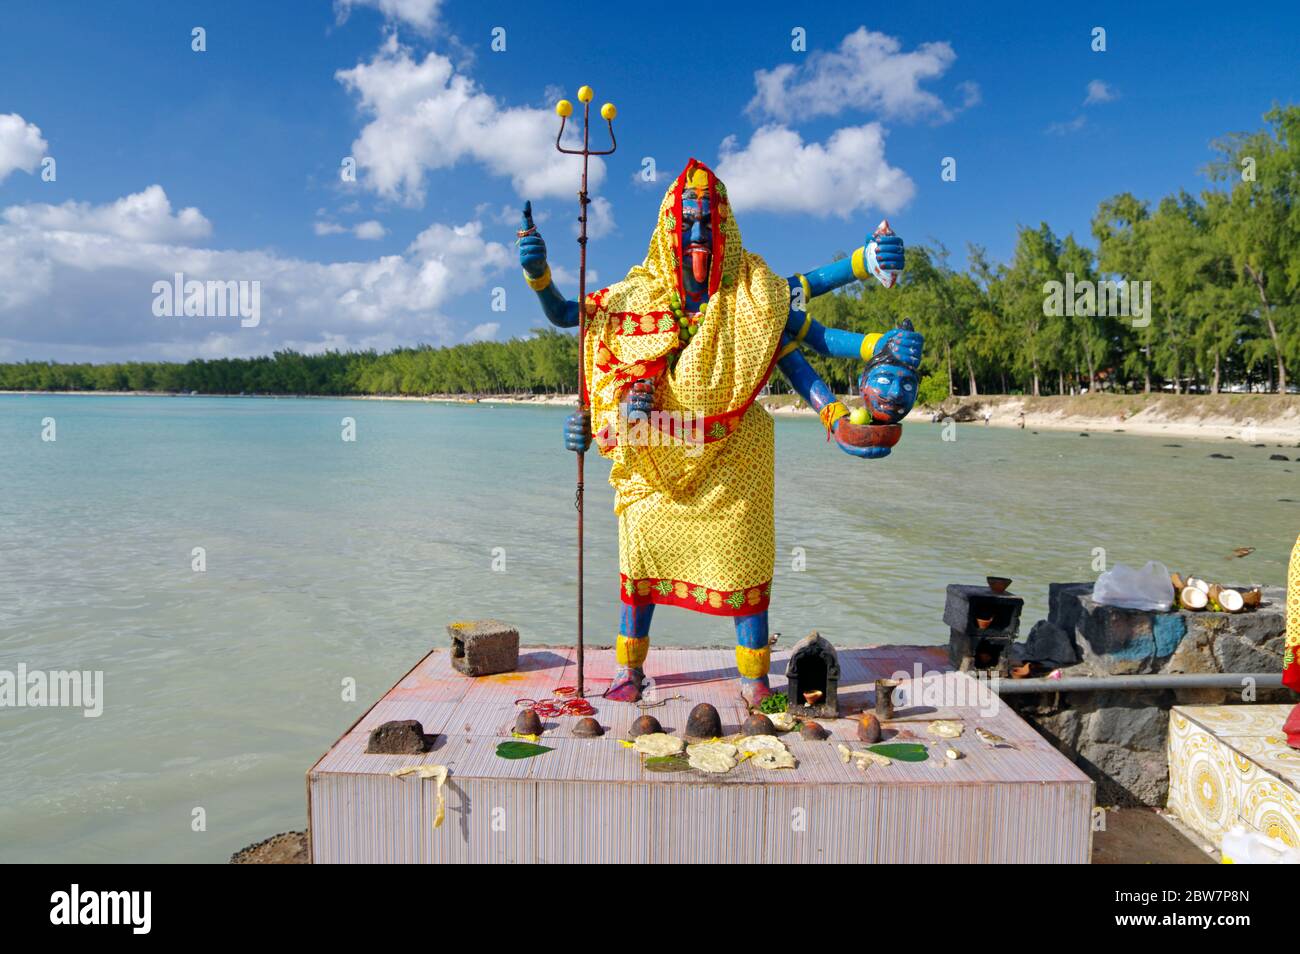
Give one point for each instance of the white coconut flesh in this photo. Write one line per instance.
(716, 757)
(657, 744)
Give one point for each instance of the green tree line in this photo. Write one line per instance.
(1218, 275)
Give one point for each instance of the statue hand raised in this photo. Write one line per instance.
(885, 255)
(532, 249)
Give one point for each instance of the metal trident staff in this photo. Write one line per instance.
(564, 109)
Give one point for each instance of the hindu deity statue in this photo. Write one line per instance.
(675, 355)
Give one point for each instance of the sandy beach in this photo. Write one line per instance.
(1251, 418)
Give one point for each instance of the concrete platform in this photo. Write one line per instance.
(1230, 765)
(591, 800)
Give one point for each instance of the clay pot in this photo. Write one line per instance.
(528, 723)
(984, 623)
(645, 725)
(588, 728)
(758, 724)
(703, 722)
(868, 435)
(869, 728)
(813, 732)
(998, 584)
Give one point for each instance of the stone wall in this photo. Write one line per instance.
(1119, 738)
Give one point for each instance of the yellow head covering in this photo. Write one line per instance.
(632, 329)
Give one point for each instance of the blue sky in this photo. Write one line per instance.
(225, 164)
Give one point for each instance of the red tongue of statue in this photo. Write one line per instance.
(700, 264)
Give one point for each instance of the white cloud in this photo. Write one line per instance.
(143, 216)
(76, 282)
(1064, 129)
(424, 116)
(778, 172)
(21, 145)
(600, 218)
(869, 71)
(1100, 92)
(420, 14)
(368, 231)
(487, 331)
(567, 280)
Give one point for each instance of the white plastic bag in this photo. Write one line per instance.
(1146, 589)
(1242, 847)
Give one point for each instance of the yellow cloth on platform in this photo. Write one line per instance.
(693, 491)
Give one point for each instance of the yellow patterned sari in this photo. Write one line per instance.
(1291, 648)
(693, 491)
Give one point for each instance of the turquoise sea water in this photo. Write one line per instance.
(330, 560)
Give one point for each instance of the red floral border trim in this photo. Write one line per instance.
(693, 596)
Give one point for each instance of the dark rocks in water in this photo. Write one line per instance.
(703, 722)
(402, 737)
(286, 848)
(1084, 434)
(1258, 445)
(645, 725)
(1278, 457)
(1171, 445)
(588, 728)
(758, 724)
(1229, 437)
(813, 732)
(483, 647)
(1221, 457)
(528, 723)
(869, 728)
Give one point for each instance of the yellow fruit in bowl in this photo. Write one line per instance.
(858, 416)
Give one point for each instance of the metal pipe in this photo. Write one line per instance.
(1169, 680)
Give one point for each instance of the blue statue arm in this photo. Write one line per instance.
(560, 311)
(809, 385)
(903, 346)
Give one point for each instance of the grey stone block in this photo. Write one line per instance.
(483, 647)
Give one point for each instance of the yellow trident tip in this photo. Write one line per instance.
(585, 94)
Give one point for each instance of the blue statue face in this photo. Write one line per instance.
(889, 391)
(697, 244)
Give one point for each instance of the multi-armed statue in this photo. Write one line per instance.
(673, 357)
